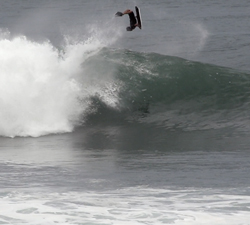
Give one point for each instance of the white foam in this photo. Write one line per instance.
(127, 206)
(39, 89)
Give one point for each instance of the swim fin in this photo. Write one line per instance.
(119, 14)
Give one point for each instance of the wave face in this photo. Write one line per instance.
(45, 90)
(173, 92)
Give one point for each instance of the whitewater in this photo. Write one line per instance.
(40, 88)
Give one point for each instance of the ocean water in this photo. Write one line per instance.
(103, 126)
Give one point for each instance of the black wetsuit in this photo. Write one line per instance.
(132, 20)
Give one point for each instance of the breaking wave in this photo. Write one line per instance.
(46, 90)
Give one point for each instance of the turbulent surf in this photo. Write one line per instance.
(57, 91)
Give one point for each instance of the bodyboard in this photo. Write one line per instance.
(138, 17)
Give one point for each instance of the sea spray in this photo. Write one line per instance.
(43, 90)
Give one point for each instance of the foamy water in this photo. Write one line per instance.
(141, 206)
(43, 89)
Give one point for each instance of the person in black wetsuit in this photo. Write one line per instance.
(133, 21)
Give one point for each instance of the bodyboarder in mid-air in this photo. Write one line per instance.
(133, 21)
